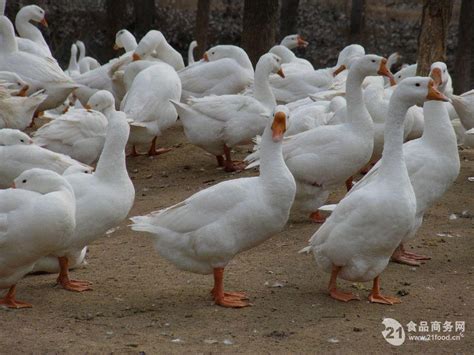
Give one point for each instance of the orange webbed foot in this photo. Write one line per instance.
(343, 296)
(231, 302)
(316, 217)
(378, 298)
(75, 285)
(12, 303)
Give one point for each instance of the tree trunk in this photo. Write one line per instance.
(463, 74)
(433, 33)
(356, 30)
(117, 18)
(144, 16)
(202, 27)
(259, 27)
(288, 17)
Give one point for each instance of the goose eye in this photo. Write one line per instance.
(213, 53)
(22, 140)
(373, 60)
(24, 181)
(399, 76)
(417, 84)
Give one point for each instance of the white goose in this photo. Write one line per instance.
(290, 61)
(216, 123)
(18, 155)
(203, 233)
(85, 63)
(79, 133)
(357, 240)
(73, 68)
(301, 84)
(148, 103)
(31, 39)
(36, 219)
(191, 48)
(294, 41)
(16, 111)
(124, 39)
(323, 158)
(225, 70)
(12, 82)
(154, 44)
(40, 73)
(103, 199)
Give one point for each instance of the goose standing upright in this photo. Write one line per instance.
(191, 48)
(73, 68)
(204, 232)
(356, 241)
(124, 39)
(36, 218)
(323, 158)
(216, 123)
(103, 199)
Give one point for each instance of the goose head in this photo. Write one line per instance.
(148, 44)
(14, 82)
(40, 180)
(78, 169)
(280, 122)
(100, 101)
(416, 90)
(294, 41)
(348, 56)
(272, 63)
(32, 13)
(10, 136)
(124, 39)
(223, 51)
(370, 65)
(439, 74)
(283, 52)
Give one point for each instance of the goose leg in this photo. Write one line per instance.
(134, 152)
(376, 297)
(400, 256)
(220, 160)
(349, 183)
(10, 301)
(226, 299)
(229, 165)
(316, 217)
(413, 256)
(68, 284)
(153, 151)
(333, 291)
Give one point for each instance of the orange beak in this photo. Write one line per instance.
(116, 47)
(301, 42)
(205, 57)
(434, 94)
(392, 81)
(339, 70)
(136, 57)
(88, 107)
(23, 91)
(280, 72)
(383, 69)
(44, 22)
(13, 186)
(436, 76)
(278, 126)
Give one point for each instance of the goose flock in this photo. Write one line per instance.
(67, 184)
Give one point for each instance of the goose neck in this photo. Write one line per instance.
(7, 33)
(262, 89)
(356, 109)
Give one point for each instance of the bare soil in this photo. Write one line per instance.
(143, 304)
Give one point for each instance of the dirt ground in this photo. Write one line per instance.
(143, 304)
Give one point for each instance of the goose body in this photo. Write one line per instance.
(148, 103)
(356, 241)
(36, 219)
(216, 123)
(79, 133)
(40, 73)
(323, 158)
(17, 112)
(18, 155)
(103, 199)
(225, 70)
(204, 232)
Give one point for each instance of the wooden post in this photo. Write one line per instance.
(463, 72)
(202, 27)
(433, 33)
(288, 17)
